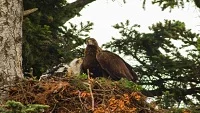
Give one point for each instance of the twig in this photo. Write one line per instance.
(29, 11)
(90, 88)
(102, 90)
(92, 97)
(53, 108)
(88, 74)
(82, 104)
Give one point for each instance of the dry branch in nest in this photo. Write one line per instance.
(75, 94)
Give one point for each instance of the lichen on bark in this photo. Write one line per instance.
(11, 14)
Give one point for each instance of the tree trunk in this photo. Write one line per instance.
(10, 44)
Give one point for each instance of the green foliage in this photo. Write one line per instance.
(198, 44)
(18, 107)
(171, 4)
(125, 83)
(167, 100)
(166, 59)
(35, 108)
(83, 76)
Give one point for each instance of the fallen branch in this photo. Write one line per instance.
(29, 11)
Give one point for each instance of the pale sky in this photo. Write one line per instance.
(106, 13)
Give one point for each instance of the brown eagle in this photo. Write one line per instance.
(105, 63)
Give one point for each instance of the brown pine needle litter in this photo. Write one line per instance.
(80, 95)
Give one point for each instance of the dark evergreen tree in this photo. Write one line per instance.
(159, 62)
(45, 38)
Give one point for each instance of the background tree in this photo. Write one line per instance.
(161, 63)
(10, 43)
(45, 38)
(171, 4)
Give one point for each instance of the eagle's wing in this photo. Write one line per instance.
(134, 75)
(115, 66)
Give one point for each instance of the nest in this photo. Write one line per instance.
(79, 95)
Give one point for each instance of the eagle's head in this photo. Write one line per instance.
(92, 47)
(76, 66)
(91, 41)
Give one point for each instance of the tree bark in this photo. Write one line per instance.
(11, 15)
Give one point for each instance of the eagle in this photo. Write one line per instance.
(103, 63)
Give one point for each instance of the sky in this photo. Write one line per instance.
(106, 13)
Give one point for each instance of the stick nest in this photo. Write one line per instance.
(79, 95)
